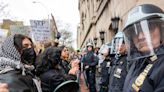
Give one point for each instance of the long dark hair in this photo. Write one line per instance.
(62, 47)
(50, 58)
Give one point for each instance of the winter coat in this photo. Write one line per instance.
(18, 82)
(52, 78)
(12, 70)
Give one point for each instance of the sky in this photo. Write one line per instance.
(65, 11)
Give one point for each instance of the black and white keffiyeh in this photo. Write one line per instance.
(9, 55)
(10, 59)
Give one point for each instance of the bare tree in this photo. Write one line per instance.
(66, 36)
(3, 11)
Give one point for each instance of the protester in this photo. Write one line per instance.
(144, 29)
(47, 44)
(65, 63)
(17, 57)
(64, 54)
(50, 71)
(55, 43)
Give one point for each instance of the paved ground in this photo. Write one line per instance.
(83, 87)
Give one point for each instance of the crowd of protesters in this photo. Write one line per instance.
(131, 62)
(25, 71)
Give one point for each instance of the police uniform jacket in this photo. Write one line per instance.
(154, 81)
(90, 59)
(105, 65)
(118, 74)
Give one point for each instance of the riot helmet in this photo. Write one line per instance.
(144, 31)
(104, 51)
(89, 46)
(118, 44)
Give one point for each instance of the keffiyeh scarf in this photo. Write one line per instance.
(9, 55)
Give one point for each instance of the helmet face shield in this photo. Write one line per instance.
(103, 52)
(118, 44)
(144, 37)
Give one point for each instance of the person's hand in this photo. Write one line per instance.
(74, 70)
(75, 63)
(4, 87)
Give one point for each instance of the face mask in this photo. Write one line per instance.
(29, 56)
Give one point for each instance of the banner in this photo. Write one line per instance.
(40, 31)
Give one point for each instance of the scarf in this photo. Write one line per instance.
(9, 55)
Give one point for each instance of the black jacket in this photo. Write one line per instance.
(52, 78)
(105, 68)
(65, 66)
(90, 59)
(17, 82)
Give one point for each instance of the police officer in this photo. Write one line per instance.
(145, 31)
(104, 60)
(119, 65)
(90, 61)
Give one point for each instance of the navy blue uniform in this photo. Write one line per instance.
(154, 81)
(118, 74)
(90, 60)
(105, 71)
